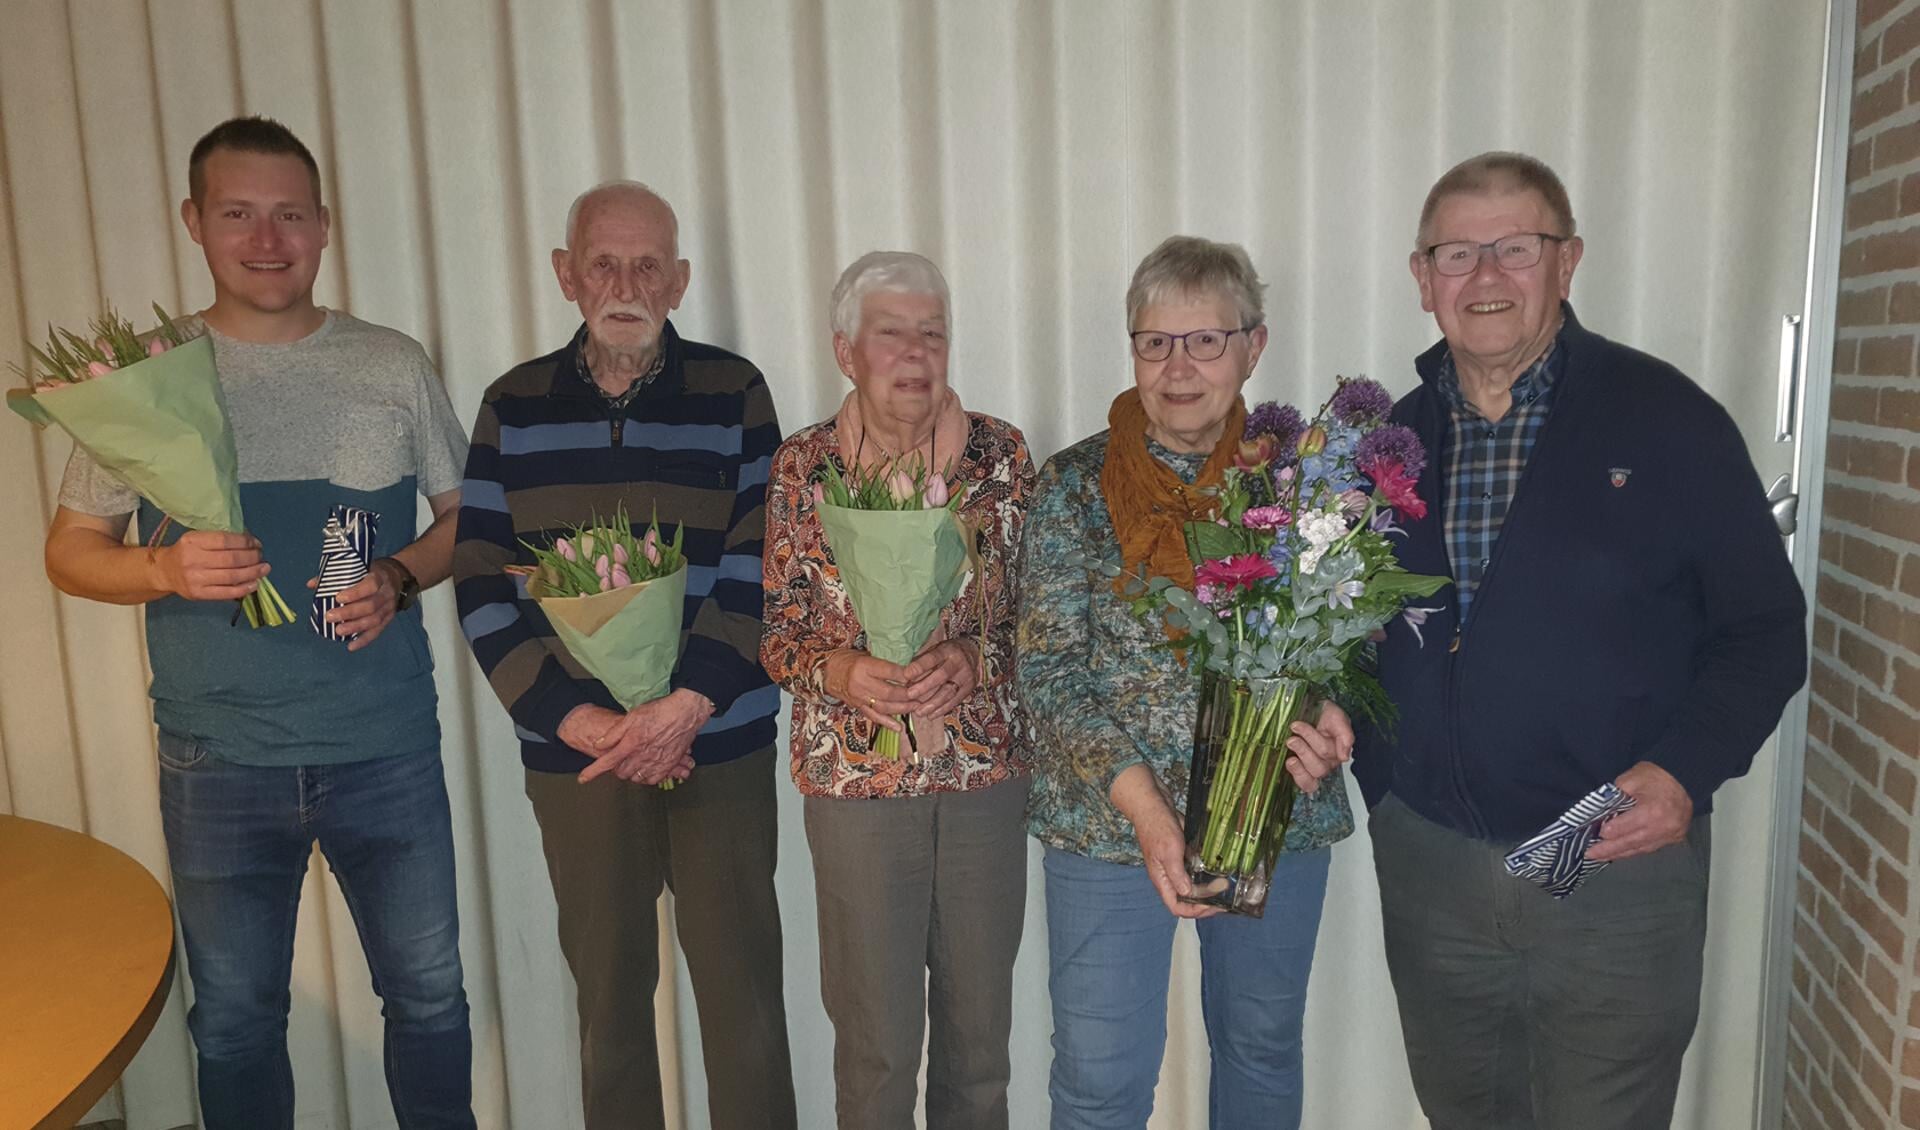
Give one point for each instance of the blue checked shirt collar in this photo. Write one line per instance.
(1484, 462)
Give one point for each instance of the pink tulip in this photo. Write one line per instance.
(651, 551)
(98, 368)
(819, 494)
(619, 577)
(564, 548)
(936, 492)
(619, 553)
(602, 566)
(157, 346)
(901, 484)
(606, 583)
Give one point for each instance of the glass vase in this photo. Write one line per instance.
(1239, 793)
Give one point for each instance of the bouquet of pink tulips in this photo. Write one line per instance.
(150, 411)
(616, 601)
(903, 555)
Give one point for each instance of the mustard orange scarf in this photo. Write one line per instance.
(1149, 503)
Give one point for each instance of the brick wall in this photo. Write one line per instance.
(1853, 1059)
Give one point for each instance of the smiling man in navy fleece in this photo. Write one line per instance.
(1621, 611)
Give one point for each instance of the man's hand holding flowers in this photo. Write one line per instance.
(649, 743)
(209, 565)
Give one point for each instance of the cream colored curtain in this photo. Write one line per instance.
(1036, 149)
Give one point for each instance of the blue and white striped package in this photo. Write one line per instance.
(346, 550)
(1556, 859)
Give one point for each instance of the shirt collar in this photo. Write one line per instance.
(614, 400)
(1533, 385)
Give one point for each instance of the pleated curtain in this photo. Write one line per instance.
(1036, 149)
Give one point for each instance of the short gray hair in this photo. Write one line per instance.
(618, 189)
(1499, 171)
(899, 272)
(1187, 266)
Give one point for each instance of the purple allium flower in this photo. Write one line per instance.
(1281, 421)
(1393, 443)
(1360, 401)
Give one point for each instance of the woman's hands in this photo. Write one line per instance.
(932, 686)
(943, 675)
(1320, 748)
(1143, 800)
(1317, 750)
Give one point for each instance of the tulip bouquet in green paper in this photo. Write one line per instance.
(903, 553)
(149, 410)
(616, 601)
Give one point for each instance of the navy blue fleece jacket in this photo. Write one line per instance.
(1640, 606)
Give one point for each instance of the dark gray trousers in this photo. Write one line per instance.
(610, 847)
(1525, 1013)
(921, 903)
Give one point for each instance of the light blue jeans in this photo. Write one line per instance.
(1110, 953)
(238, 837)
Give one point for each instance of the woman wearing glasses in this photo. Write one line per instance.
(1113, 708)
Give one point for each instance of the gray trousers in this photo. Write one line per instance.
(610, 847)
(1523, 1013)
(921, 902)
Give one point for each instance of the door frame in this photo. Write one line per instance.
(1825, 236)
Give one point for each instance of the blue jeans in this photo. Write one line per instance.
(238, 837)
(1110, 953)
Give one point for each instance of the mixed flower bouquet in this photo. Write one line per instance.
(615, 601)
(150, 411)
(903, 554)
(1292, 578)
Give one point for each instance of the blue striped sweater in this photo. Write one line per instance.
(693, 446)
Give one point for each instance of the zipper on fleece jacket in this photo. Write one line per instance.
(1457, 770)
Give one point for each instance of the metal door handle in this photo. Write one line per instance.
(1785, 505)
(1789, 378)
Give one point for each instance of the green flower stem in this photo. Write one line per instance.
(1244, 802)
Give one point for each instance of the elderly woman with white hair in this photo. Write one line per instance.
(1113, 707)
(919, 861)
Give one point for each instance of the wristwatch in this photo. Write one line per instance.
(409, 584)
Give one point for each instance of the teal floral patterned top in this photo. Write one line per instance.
(1101, 689)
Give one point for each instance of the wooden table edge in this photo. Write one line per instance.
(76, 1105)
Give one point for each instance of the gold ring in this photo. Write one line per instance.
(869, 702)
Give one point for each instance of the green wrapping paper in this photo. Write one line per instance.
(901, 568)
(628, 638)
(161, 427)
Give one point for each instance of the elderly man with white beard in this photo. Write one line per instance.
(629, 416)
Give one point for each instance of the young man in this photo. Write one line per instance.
(274, 738)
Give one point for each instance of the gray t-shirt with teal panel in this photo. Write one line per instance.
(352, 413)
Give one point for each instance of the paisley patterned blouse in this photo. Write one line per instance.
(808, 615)
(1101, 689)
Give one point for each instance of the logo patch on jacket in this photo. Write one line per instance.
(1618, 475)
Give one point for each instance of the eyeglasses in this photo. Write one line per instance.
(1202, 345)
(1511, 253)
